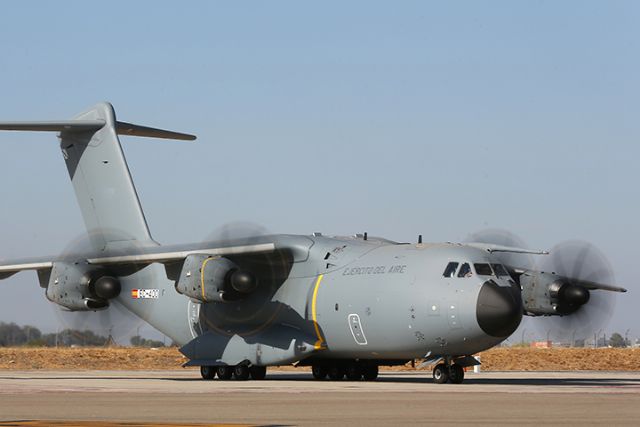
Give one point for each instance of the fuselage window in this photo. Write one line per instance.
(483, 269)
(500, 270)
(465, 270)
(450, 271)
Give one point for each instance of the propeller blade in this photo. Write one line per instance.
(581, 264)
(500, 237)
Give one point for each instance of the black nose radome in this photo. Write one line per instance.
(499, 309)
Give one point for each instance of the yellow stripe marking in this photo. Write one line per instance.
(320, 344)
(204, 264)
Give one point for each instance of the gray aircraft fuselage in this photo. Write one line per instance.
(335, 298)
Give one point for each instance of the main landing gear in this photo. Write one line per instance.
(336, 370)
(443, 373)
(238, 372)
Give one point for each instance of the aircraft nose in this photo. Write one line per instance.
(499, 309)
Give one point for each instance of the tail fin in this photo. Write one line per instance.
(99, 172)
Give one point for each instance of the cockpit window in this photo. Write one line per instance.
(483, 269)
(465, 270)
(500, 270)
(450, 271)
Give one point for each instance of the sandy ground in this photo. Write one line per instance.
(127, 358)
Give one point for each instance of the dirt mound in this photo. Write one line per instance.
(112, 358)
(127, 358)
(561, 359)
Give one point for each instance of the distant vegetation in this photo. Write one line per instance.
(13, 335)
(138, 341)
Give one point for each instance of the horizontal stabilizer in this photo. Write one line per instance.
(56, 126)
(122, 128)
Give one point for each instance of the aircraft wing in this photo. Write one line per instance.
(9, 268)
(140, 259)
(489, 247)
(163, 257)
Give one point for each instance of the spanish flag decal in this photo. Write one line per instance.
(145, 293)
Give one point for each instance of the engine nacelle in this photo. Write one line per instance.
(80, 287)
(547, 294)
(205, 278)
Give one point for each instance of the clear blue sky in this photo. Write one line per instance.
(399, 118)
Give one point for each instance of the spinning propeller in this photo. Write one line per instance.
(581, 263)
(114, 321)
(574, 281)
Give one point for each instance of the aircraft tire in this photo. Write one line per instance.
(353, 371)
(336, 372)
(258, 372)
(208, 372)
(370, 373)
(440, 374)
(225, 372)
(319, 372)
(241, 372)
(456, 374)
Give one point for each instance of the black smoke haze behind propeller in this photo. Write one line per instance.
(579, 260)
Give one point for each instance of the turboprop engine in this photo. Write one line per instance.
(546, 294)
(80, 287)
(214, 279)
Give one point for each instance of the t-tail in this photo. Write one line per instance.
(98, 169)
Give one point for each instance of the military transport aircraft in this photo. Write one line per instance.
(342, 305)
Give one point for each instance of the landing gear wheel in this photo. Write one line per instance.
(440, 374)
(258, 372)
(208, 372)
(319, 372)
(456, 374)
(225, 372)
(336, 372)
(241, 372)
(353, 372)
(370, 372)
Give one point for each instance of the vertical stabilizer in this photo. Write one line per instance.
(102, 182)
(100, 175)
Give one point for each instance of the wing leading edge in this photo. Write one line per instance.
(9, 268)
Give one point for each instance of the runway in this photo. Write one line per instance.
(291, 398)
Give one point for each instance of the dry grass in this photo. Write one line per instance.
(561, 359)
(112, 358)
(126, 358)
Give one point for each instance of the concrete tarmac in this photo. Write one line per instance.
(291, 398)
